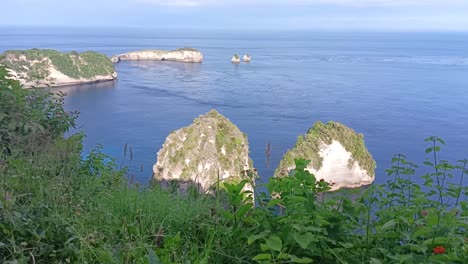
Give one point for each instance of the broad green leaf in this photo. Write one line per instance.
(282, 256)
(390, 224)
(346, 245)
(303, 239)
(273, 202)
(295, 259)
(375, 261)
(422, 231)
(254, 238)
(226, 214)
(243, 210)
(262, 257)
(418, 248)
(274, 243)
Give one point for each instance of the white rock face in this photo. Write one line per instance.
(180, 55)
(335, 168)
(208, 151)
(247, 58)
(57, 78)
(337, 153)
(235, 59)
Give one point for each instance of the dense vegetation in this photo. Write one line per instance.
(75, 65)
(308, 146)
(58, 207)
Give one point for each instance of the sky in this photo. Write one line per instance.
(364, 15)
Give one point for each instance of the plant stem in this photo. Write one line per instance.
(461, 182)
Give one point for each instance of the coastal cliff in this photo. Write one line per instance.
(211, 150)
(46, 67)
(180, 55)
(338, 155)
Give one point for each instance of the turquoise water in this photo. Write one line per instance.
(395, 88)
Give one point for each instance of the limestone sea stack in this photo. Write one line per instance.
(46, 67)
(247, 58)
(338, 155)
(209, 151)
(235, 58)
(180, 55)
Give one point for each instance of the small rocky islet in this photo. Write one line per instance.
(212, 148)
(337, 153)
(179, 55)
(209, 151)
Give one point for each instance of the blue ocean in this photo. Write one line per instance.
(395, 88)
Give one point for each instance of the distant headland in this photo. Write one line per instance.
(47, 67)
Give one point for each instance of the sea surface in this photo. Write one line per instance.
(395, 88)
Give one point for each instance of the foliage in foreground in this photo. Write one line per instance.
(58, 207)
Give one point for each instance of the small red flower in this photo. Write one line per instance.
(423, 212)
(439, 250)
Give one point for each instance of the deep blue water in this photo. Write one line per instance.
(395, 88)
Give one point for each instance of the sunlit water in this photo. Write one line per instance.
(395, 88)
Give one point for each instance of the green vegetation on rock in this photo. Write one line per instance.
(308, 146)
(187, 49)
(205, 150)
(36, 62)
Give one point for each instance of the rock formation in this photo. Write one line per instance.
(209, 151)
(43, 68)
(247, 58)
(180, 55)
(337, 153)
(235, 58)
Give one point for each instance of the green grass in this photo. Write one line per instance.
(308, 146)
(87, 64)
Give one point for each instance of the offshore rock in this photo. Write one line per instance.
(210, 151)
(338, 155)
(180, 55)
(235, 58)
